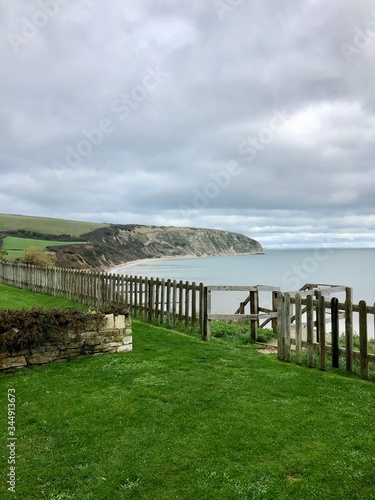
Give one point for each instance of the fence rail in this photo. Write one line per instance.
(173, 303)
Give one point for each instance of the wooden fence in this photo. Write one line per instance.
(256, 312)
(321, 329)
(187, 306)
(173, 303)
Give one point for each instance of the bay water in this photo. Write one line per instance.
(287, 269)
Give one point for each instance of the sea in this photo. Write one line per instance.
(288, 269)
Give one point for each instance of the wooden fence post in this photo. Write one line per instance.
(162, 301)
(151, 300)
(254, 309)
(157, 300)
(363, 338)
(174, 303)
(349, 334)
(298, 329)
(187, 306)
(201, 310)
(193, 305)
(322, 332)
(287, 347)
(206, 312)
(335, 332)
(310, 330)
(135, 298)
(145, 300)
(168, 309)
(280, 326)
(274, 309)
(180, 302)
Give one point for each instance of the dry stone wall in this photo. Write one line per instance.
(114, 337)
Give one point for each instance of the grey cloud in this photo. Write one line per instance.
(169, 141)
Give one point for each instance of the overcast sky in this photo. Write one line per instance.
(250, 116)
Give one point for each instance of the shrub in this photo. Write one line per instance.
(3, 254)
(32, 327)
(37, 257)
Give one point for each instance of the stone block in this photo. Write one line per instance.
(42, 358)
(110, 323)
(125, 348)
(127, 340)
(120, 321)
(13, 362)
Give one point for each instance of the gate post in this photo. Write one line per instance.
(280, 326)
(254, 309)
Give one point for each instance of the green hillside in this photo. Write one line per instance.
(16, 246)
(45, 225)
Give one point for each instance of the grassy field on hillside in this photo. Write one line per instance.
(47, 225)
(178, 418)
(16, 246)
(15, 298)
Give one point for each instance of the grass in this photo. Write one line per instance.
(238, 332)
(15, 298)
(15, 246)
(10, 222)
(178, 418)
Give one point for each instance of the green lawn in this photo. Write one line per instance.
(46, 225)
(178, 418)
(16, 246)
(15, 298)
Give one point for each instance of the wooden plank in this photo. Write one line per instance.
(157, 300)
(162, 301)
(298, 329)
(207, 312)
(280, 326)
(322, 334)
(287, 354)
(217, 288)
(335, 332)
(135, 299)
(146, 299)
(349, 335)
(151, 300)
(254, 323)
(180, 302)
(187, 305)
(140, 296)
(363, 347)
(168, 304)
(193, 306)
(174, 303)
(202, 319)
(230, 317)
(310, 331)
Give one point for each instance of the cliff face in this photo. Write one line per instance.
(114, 245)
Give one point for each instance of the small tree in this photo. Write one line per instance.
(37, 257)
(3, 254)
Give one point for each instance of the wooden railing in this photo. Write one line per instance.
(256, 312)
(320, 332)
(173, 303)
